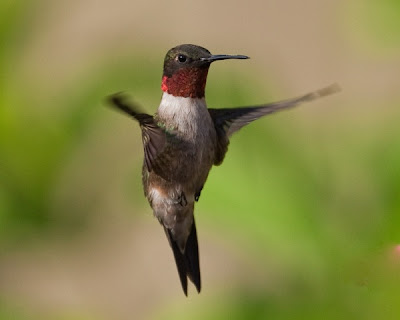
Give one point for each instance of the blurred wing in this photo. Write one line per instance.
(231, 120)
(153, 137)
(228, 121)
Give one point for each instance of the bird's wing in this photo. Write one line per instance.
(154, 138)
(228, 121)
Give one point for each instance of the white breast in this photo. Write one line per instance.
(188, 116)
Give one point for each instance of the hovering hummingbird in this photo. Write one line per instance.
(183, 140)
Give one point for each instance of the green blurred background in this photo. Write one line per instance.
(300, 222)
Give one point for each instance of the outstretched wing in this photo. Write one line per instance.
(228, 121)
(153, 137)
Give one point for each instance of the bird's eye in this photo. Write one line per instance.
(182, 58)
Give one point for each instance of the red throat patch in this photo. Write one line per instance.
(190, 82)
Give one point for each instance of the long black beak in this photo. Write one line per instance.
(216, 57)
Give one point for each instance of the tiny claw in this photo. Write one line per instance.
(197, 195)
(182, 200)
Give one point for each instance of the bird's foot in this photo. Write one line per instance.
(197, 194)
(182, 200)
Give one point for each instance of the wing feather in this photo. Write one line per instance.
(228, 121)
(154, 138)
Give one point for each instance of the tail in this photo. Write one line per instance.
(187, 263)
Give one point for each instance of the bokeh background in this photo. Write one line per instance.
(302, 221)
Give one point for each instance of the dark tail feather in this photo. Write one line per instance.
(187, 263)
(192, 258)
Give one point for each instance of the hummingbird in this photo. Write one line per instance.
(183, 140)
